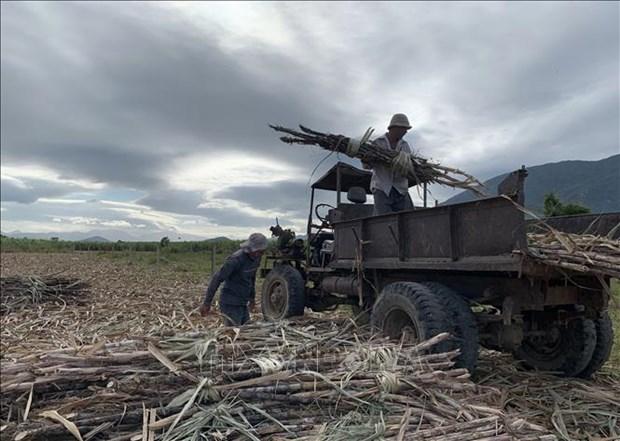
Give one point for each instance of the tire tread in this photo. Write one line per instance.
(295, 289)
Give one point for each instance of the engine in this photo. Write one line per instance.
(287, 244)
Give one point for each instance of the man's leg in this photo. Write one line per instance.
(245, 317)
(233, 314)
(408, 202)
(400, 201)
(382, 202)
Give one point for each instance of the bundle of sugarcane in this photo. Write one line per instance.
(576, 409)
(417, 169)
(32, 290)
(293, 380)
(583, 253)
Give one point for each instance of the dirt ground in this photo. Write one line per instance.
(127, 298)
(123, 299)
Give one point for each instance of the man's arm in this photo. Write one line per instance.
(253, 292)
(225, 271)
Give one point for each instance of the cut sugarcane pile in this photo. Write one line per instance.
(123, 300)
(417, 169)
(23, 292)
(584, 253)
(294, 380)
(574, 409)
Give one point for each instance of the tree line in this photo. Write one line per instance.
(11, 244)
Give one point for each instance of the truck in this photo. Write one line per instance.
(461, 269)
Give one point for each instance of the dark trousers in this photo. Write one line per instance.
(392, 202)
(235, 315)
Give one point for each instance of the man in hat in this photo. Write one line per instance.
(239, 276)
(390, 188)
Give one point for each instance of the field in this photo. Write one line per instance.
(145, 294)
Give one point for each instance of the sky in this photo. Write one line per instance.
(138, 120)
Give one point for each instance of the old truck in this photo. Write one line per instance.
(449, 268)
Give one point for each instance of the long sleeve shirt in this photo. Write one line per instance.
(239, 277)
(383, 176)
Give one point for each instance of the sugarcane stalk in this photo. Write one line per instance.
(421, 170)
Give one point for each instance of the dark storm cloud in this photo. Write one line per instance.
(26, 191)
(141, 82)
(115, 93)
(188, 203)
(288, 196)
(112, 165)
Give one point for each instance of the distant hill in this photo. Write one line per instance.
(218, 239)
(108, 235)
(595, 184)
(95, 239)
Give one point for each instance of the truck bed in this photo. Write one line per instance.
(477, 236)
(472, 236)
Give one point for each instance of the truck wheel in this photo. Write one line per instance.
(411, 308)
(463, 324)
(564, 350)
(602, 350)
(283, 293)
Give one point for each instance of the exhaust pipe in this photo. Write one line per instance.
(348, 286)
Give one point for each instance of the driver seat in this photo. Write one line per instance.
(359, 208)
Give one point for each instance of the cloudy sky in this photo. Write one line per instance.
(139, 119)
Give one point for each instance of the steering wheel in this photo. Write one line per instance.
(316, 212)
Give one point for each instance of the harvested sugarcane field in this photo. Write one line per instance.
(100, 346)
(312, 221)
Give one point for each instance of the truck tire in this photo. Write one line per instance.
(568, 354)
(410, 307)
(463, 325)
(604, 342)
(283, 293)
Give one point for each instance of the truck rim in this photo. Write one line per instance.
(547, 347)
(398, 324)
(277, 298)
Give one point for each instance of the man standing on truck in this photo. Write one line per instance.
(390, 188)
(239, 276)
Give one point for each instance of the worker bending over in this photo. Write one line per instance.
(239, 277)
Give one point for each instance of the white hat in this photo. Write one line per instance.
(256, 242)
(400, 120)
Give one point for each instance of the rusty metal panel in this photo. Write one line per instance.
(346, 236)
(504, 263)
(562, 295)
(489, 227)
(428, 233)
(383, 236)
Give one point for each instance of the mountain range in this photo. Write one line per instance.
(594, 184)
(107, 235)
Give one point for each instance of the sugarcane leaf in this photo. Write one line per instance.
(71, 427)
(189, 404)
